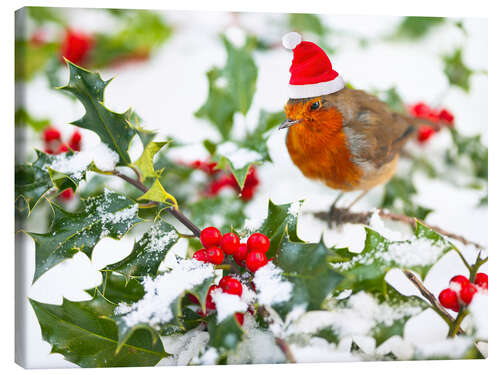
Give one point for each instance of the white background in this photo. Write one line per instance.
(357, 78)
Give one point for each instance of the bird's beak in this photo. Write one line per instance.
(287, 123)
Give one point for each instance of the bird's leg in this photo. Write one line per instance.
(356, 200)
(331, 212)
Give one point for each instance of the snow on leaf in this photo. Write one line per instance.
(148, 252)
(105, 215)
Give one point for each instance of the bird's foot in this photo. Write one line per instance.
(336, 215)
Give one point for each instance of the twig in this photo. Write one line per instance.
(432, 299)
(342, 215)
(282, 344)
(173, 211)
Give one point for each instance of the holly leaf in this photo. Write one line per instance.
(114, 129)
(148, 252)
(226, 335)
(157, 193)
(84, 334)
(105, 215)
(400, 309)
(280, 219)
(456, 71)
(117, 288)
(307, 22)
(224, 211)
(313, 280)
(23, 118)
(30, 59)
(367, 270)
(145, 162)
(33, 181)
(231, 88)
(417, 27)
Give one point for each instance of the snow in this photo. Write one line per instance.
(294, 208)
(184, 347)
(448, 348)
(238, 156)
(270, 286)
(227, 304)
(75, 165)
(479, 315)
(154, 308)
(157, 239)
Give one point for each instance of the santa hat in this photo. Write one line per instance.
(311, 71)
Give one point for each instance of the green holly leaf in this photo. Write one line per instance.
(23, 118)
(226, 335)
(142, 31)
(30, 59)
(148, 252)
(33, 181)
(117, 288)
(307, 22)
(230, 89)
(114, 129)
(392, 97)
(456, 71)
(85, 335)
(400, 309)
(105, 215)
(306, 266)
(417, 27)
(41, 15)
(223, 211)
(367, 270)
(280, 219)
(402, 190)
(145, 162)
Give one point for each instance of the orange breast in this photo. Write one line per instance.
(320, 151)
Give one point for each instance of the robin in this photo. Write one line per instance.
(345, 138)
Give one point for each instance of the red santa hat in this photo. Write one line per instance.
(311, 71)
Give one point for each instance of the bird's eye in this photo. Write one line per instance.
(314, 106)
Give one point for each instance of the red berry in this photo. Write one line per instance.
(461, 280)
(258, 242)
(51, 134)
(205, 166)
(75, 141)
(241, 254)
(67, 194)
(420, 110)
(481, 280)
(424, 133)
(62, 148)
(255, 260)
(215, 255)
(230, 243)
(247, 193)
(210, 304)
(218, 185)
(448, 298)
(240, 318)
(433, 116)
(467, 293)
(446, 116)
(230, 285)
(210, 237)
(193, 298)
(201, 255)
(75, 46)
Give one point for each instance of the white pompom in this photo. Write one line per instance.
(291, 40)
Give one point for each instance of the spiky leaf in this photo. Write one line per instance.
(226, 335)
(148, 252)
(113, 128)
(117, 288)
(145, 162)
(306, 266)
(105, 215)
(456, 71)
(83, 334)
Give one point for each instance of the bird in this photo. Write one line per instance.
(345, 138)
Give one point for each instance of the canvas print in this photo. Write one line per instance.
(200, 188)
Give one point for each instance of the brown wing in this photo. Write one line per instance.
(375, 133)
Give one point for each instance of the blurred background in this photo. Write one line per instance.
(166, 64)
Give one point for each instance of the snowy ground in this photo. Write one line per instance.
(167, 91)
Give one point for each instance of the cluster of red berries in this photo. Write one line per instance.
(461, 291)
(53, 144)
(251, 254)
(76, 46)
(438, 116)
(222, 180)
